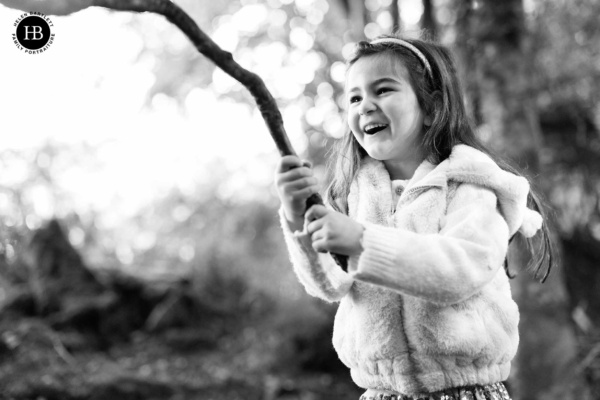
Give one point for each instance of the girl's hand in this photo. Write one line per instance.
(333, 232)
(295, 183)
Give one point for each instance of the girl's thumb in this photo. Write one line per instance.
(306, 163)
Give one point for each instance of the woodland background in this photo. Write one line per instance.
(189, 294)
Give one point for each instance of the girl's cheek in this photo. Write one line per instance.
(353, 120)
(357, 137)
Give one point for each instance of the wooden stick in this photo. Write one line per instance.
(48, 7)
(204, 44)
(223, 59)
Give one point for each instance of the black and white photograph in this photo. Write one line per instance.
(299, 200)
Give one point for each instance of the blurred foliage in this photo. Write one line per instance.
(567, 92)
(227, 247)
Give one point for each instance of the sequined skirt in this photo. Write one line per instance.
(497, 391)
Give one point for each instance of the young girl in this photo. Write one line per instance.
(425, 215)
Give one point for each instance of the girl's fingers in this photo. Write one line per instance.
(319, 246)
(288, 162)
(300, 184)
(315, 212)
(314, 227)
(293, 175)
(297, 173)
(317, 236)
(306, 192)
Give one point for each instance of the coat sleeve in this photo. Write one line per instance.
(446, 267)
(318, 272)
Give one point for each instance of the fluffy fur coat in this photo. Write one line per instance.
(427, 305)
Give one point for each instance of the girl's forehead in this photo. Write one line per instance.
(376, 66)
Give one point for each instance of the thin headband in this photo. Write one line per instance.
(409, 46)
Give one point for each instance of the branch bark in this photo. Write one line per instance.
(48, 7)
(203, 43)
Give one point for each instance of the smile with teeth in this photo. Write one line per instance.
(371, 129)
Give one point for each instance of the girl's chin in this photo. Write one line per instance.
(377, 154)
(375, 145)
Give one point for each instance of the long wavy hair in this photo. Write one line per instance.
(440, 96)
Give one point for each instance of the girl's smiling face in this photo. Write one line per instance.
(383, 111)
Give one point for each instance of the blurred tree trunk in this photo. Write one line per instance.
(466, 47)
(493, 44)
(358, 18)
(395, 11)
(427, 19)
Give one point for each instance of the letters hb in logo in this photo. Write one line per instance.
(33, 32)
(36, 32)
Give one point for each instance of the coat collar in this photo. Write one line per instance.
(427, 175)
(465, 165)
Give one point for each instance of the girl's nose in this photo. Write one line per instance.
(366, 106)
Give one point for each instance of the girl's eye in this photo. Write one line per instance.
(383, 90)
(354, 99)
